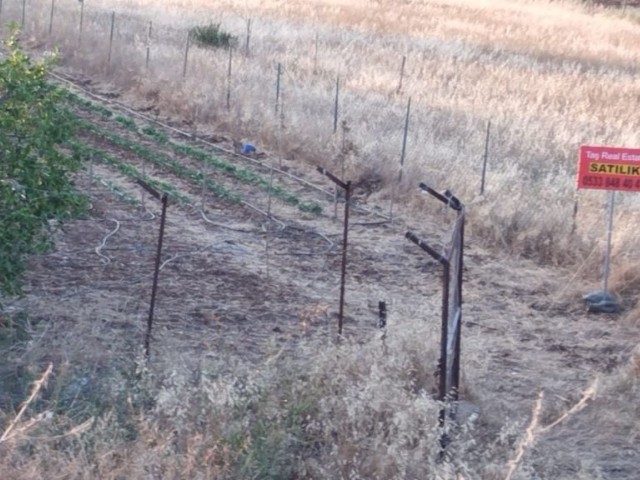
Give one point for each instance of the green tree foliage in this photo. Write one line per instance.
(36, 189)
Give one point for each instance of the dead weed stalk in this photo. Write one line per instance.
(37, 386)
(534, 430)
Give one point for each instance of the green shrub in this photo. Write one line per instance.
(212, 36)
(36, 190)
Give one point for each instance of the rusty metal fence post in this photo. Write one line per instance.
(154, 289)
(451, 260)
(346, 186)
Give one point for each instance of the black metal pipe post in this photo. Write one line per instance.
(346, 186)
(442, 387)
(343, 275)
(156, 273)
(445, 310)
(485, 157)
(442, 363)
(448, 198)
(154, 289)
(456, 357)
(382, 315)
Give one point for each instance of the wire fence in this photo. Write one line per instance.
(228, 85)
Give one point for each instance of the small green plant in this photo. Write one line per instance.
(159, 137)
(244, 175)
(85, 104)
(127, 123)
(126, 169)
(212, 36)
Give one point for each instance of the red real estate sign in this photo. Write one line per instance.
(609, 168)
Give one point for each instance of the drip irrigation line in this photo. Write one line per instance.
(371, 224)
(281, 225)
(330, 243)
(123, 284)
(106, 260)
(183, 255)
(148, 215)
(222, 225)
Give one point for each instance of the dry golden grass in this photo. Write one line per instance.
(549, 76)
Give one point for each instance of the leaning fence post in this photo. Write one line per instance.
(163, 198)
(186, 56)
(403, 152)
(53, 6)
(24, 12)
(80, 24)
(278, 74)
(485, 157)
(113, 24)
(315, 55)
(335, 105)
(229, 79)
(404, 61)
(248, 37)
(149, 31)
(404, 138)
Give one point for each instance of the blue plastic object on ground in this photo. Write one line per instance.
(248, 148)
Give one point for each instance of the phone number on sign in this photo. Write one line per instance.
(609, 182)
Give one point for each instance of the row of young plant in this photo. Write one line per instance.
(199, 155)
(86, 151)
(171, 165)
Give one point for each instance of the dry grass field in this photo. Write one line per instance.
(246, 381)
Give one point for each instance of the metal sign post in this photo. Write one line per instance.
(613, 169)
(607, 256)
